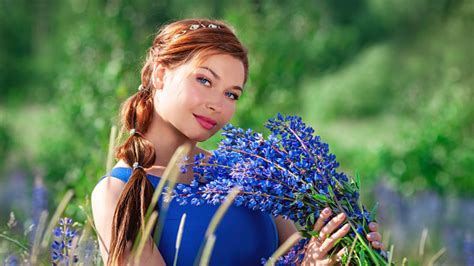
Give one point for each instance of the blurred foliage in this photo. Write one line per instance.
(386, 83)
(416, 87)
(5, 140)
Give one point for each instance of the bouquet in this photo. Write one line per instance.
(290, 174)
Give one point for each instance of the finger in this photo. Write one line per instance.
(377, 245)
(338, 258)
(322, 217)
(374, 236)
(342, 252)
(329, 243)
(373, 226)
(332, 225)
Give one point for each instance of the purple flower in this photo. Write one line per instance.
(469, 250)
(63, 243)
(39, 203)
(11, 260)
(290, 173)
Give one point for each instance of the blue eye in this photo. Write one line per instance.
(233, 96)
(204, 81)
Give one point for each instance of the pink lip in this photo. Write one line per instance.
(205, 122)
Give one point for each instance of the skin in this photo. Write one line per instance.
(181, 92)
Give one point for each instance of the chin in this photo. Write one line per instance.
(201, 138)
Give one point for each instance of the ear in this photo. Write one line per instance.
(158, 76)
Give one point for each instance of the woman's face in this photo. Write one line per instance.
(199, 99)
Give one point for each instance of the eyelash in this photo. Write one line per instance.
(200, 79)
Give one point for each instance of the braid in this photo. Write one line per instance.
(137, 113)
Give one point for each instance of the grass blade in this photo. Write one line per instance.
(91, 224)
(421, 248)
(437, 256)
(110, 152)
(14, 241)
(206, 255)
(281, 250)
(170, 175)
(144, 238)
(179, 237)
(216, 219)
(54, 219)
(38, 235)
(390, 255)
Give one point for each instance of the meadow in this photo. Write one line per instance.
(388, 84)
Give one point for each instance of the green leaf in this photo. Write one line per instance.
(320, 197)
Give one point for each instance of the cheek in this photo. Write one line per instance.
(191, 94)
(229, 111)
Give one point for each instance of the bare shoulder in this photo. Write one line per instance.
(108, 188)
(105, 195)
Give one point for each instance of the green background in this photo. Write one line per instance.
(388, 84)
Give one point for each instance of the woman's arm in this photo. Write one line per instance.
(285, 229)
(104, 199)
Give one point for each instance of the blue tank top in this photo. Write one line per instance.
(243, 236)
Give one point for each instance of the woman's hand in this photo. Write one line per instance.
(316, 252)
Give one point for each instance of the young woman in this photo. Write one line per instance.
(193, 76)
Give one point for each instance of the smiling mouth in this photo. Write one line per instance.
(205, 122)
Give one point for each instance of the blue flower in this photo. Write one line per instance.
(11, 260)
(62, 245)
(290, 173)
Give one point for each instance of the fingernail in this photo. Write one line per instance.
(346, 227)
(369, 236)
(327, 211)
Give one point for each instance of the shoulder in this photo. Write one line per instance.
(106, 194)
(107, 187)
(104, 199)
(108, 190)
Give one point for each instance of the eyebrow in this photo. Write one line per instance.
(218, 77)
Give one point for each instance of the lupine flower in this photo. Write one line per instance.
(39, 203)
(290, 174)
(468, 249)
(62, 245)
(11, 260)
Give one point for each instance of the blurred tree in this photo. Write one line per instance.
(76, 61)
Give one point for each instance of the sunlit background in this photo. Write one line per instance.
(387, 83)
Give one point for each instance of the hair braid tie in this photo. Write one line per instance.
(137, 166)
(134, 132)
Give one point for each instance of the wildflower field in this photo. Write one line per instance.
(386, 86)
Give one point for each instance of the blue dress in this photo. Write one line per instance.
(243, 236)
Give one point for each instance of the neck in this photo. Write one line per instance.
(166, 139)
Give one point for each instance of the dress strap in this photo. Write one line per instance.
(121, 173)
(124, 173)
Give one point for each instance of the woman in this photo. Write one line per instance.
(192, 78)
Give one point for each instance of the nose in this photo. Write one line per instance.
(214, 103)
